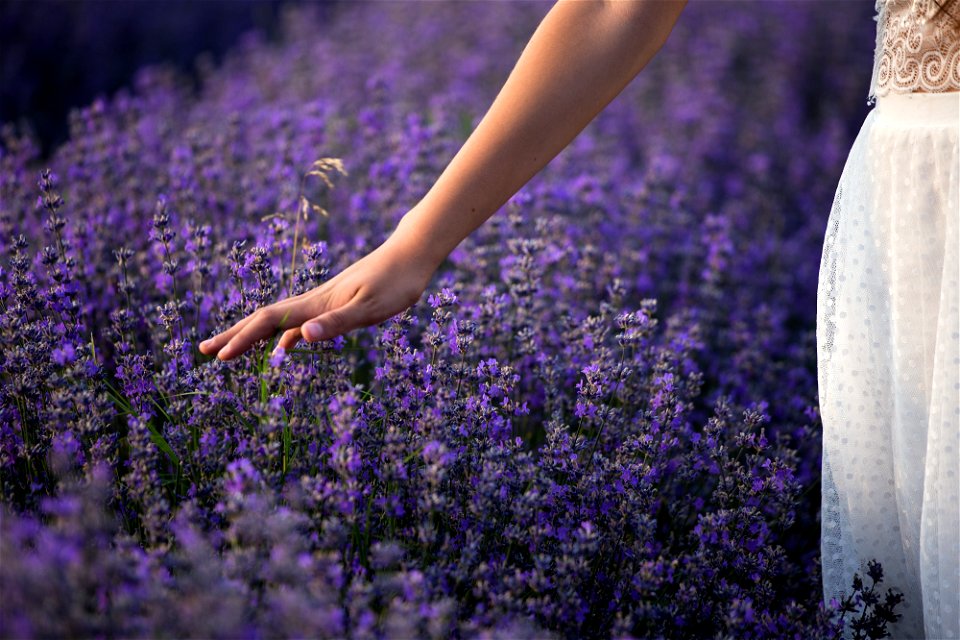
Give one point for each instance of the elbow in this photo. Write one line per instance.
(651, 20)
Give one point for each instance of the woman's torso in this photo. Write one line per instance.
(918, 47)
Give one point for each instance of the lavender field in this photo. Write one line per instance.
(600, 420)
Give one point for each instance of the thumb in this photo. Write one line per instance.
(331, 324)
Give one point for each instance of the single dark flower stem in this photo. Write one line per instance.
(606, 405)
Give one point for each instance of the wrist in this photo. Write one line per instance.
(412, 236)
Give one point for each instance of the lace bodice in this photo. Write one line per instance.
(917, 50)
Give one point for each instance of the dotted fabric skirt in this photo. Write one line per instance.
(888, 356)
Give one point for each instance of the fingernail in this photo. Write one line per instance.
(312, 330)
(222, 353)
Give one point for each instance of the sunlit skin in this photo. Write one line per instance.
(580, 57)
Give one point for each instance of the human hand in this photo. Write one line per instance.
(383, 283)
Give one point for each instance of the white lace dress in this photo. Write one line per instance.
(888, 332)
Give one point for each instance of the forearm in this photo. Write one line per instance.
(580, 57)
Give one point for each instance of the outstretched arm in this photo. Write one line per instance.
(578, 60)
(581, 56)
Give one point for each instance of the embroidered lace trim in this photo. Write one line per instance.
(916, 50)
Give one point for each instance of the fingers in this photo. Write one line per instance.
(335, 322)
(289, 315)
(214, 344)
(289, 338)
(262, 324)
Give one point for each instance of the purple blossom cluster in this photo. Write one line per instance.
(600, 422)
